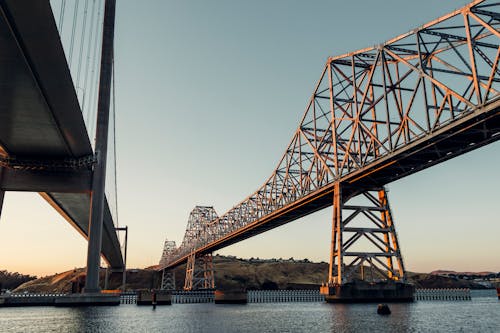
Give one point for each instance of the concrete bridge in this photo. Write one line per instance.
(44, 144)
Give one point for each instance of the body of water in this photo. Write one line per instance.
(481, 314)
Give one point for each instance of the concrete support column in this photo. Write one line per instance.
(124, 276)
(124, 272)
(101, 149)
(2, 192)
(106, 279)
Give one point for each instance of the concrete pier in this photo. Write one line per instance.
(193, 296)
(55, 299)
(155, 297)
(88, 299)
(230, 297)
(12, 300)
(364, 292)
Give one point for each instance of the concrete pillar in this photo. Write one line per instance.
(124, 276)
(106, 279)
(2, 192)
(2, 195)
(101, 150)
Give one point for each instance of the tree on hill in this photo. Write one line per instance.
(10, 281)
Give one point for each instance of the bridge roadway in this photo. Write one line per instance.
(41, 120)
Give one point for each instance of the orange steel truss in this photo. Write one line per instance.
(199, 268)
(380, 257)
(199, 272)
(376, 115)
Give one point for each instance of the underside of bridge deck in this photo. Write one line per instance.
(41, 120)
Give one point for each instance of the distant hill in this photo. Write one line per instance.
(235, 273)
(446, 272)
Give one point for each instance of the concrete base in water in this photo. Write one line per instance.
(230, 297)
(59, 300)
(90, 299)
(157, 297)
(28, 300)
(364, 292)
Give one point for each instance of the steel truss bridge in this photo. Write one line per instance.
(376, 115)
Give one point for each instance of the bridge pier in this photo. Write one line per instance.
(167, 279)
(2, 195)
(376, 273)
(199, 272)
(101, 148)
(2, 192)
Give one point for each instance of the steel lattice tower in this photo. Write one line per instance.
(168, 276)
(380, 254)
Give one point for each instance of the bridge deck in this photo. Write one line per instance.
(40, 117)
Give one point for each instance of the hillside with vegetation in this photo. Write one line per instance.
(11, 280)
(236, 273)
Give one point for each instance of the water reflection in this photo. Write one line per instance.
(86, 319)
(478, 315)
(358, 317)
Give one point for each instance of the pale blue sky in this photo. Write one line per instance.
(209, 94)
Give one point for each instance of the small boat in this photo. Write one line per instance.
(498, 292)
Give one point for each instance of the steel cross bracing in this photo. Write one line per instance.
(168, 251)
(377, 115)
(168, 276)
(364, 241)
(167, 280)
(199, 272)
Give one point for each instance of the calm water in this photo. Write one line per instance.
(482, 314)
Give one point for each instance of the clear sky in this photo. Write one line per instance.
(209, 94)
